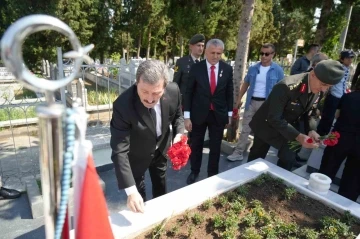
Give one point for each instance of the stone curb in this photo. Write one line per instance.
(36, 200)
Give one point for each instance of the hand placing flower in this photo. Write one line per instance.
(179, 153)
(327, 140)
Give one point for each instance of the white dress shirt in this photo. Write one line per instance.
(208, 65)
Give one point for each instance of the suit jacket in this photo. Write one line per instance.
(198, 95)
(181, 73)
(133, 134)
(274, 121)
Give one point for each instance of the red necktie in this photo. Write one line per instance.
(212, 83)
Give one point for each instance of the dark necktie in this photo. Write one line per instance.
(197, 61)
(212, 83)
(153, 116)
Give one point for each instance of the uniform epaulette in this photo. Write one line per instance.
(293, 86)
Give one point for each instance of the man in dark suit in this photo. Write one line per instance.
(183, 64)
(140, 133)
(208, 103)
(276, 121)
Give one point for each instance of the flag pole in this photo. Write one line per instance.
(51, 114)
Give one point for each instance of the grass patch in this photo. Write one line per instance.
(102, 96)
(17, 113)
(25, 94)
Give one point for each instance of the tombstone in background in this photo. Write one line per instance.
(171, 74)
(314, 162)
(5, 74)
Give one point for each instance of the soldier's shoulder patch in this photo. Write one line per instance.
(293, 86)
(176, 68)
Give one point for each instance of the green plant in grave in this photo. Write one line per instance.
(269, 232)
(348, 218)
(307, 233)
(290, 192)
(251, 233)
(223, 200)
(237, 206)
(191, 231)
(218, 221)
(231, 220)
(228, 234)
(286, 230)
(186, 216)
(197, 219)
(334, 228)
(243, 190)
(207, 204)
(232, 196)
(173, 231)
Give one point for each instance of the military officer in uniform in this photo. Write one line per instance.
(183, 65)
(276, 122)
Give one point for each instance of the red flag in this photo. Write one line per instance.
(93, 221)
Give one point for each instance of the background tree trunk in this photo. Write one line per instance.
(181, 47)
(148, 45)
(345, 30)
(138, 47)
(320, 35)
(241, 57)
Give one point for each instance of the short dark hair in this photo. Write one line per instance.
(312, 46)
(267, 45)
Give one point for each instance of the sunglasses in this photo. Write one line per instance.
(265, 53)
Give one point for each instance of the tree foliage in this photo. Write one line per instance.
(162, 28)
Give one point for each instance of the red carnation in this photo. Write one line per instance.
(337, 134)
(179, 153)
(235, 114)
(310, 141)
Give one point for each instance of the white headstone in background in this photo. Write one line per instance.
(5, 74)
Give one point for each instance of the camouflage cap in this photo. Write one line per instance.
(329, 72)
(197, 38)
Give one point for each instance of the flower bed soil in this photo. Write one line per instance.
(264, 208)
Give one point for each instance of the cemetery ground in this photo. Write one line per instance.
(15, 215)
(263, 208)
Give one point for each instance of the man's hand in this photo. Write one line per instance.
(135, 202)
(177, 138)
(229, 123)
(315, 136)
(188, 125)
(238, 104)
(302, 139)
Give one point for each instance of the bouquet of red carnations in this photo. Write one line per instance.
(179, 153)
(328, 140)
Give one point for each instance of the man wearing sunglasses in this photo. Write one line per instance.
(258, 83)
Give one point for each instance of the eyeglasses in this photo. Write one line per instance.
(265, 53)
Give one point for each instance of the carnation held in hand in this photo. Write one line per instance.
(327, 140)
(179, 153)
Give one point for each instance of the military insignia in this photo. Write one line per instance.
(291, 87)
(176, 68)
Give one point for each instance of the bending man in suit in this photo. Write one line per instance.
(208, 103)
(140, 132)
